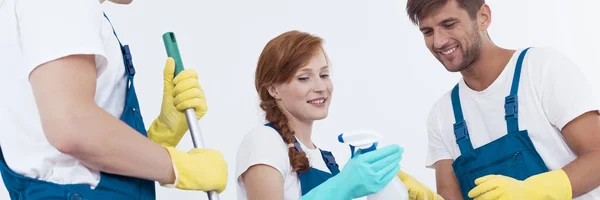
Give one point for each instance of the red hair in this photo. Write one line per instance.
(277, 64)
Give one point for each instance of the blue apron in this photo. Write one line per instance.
(511, 155)
(111, 186)
(313, 177)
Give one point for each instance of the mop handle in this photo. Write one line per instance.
(190, 113)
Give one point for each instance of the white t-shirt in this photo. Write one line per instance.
(552, 92)
(34, 32)
(264, 145)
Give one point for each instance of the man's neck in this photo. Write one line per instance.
(483, 72)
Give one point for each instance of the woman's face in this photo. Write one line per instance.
(307, 96)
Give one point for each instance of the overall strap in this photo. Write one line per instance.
(511, 102)
(461, 132)
(296, 144)
(113, 29)
(127, 58)
(330, 162)
(327, 156)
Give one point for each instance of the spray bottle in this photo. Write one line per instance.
(367, 141)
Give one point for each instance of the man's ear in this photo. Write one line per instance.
(273, 91)
(484, 17)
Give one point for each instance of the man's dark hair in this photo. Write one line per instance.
(418, 8)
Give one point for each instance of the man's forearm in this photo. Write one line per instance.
(583, 173)
(582, 134)
(446, 181)
(104, 143)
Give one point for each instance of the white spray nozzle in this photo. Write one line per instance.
(362, 139)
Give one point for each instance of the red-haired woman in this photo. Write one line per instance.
(279, 160)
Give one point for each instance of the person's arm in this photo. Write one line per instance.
(261, 163)
(570, 107)
(583, 136)
(577, 178)
(439, 158)
(64, 90)
(263, 182)
(359, 178)
(364, 174)
(446, 182)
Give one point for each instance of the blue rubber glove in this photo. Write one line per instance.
(363, 175)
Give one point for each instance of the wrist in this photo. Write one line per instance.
(563, 180)
(342, 190)
(159, 122)
(328, 190)
(438, 197)
(556, 181)
(156, 126)
(159, 133)
(170, 177)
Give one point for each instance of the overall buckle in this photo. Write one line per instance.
(461, 131)
(128, 60)
(511, 107)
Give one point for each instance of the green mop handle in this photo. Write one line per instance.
(190, 113)
(173, 50)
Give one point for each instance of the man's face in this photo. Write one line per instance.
(452, 36)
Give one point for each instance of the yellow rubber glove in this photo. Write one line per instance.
(551, 185)
(179, 94)
(198, 169)
(416, 190)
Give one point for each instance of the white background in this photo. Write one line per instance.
(384, 77)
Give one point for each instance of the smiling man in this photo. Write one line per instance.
(520, 124)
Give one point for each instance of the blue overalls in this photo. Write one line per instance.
(111, 186)
(511, 155)
(314, 177)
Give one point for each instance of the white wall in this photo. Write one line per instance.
(385, 78)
